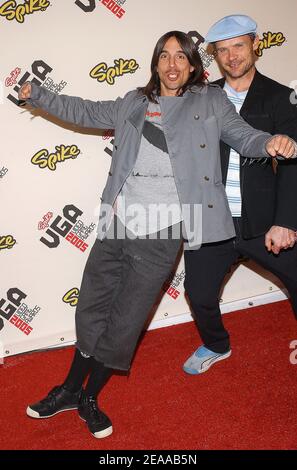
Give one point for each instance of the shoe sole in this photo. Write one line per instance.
(100, 434)
(34, 414)
(205, 368)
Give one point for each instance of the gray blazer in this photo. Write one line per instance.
(193, 128)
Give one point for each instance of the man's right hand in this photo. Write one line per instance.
(281, 145)
(25, 91)
(279, 238)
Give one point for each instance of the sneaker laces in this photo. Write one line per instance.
(93, 409)
(93, 405)
(51, 397)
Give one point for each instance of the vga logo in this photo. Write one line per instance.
(115, 6)
(87, 5)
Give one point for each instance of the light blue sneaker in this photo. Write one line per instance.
(202, 359)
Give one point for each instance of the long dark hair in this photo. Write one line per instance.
(196, 78)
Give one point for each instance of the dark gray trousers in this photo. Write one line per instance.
(206, 269)
(121, 282)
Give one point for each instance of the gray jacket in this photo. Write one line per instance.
(193, 128)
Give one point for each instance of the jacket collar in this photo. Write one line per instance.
(255, 90)
(137, 116)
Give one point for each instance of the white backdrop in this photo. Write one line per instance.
(52, 174)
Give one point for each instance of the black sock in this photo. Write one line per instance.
(98, 378)
(79, 369)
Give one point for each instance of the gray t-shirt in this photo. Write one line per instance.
(148, 201)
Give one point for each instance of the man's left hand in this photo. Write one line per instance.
(279, 238)
(281, 145)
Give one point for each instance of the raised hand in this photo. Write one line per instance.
(25, 91)
(281, 145)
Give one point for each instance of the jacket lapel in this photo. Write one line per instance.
(253, 96)
(224, 148)
(137, 117)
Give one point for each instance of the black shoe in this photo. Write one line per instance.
(98, 423)
(59, 399)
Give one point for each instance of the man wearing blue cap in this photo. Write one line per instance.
(262, 197)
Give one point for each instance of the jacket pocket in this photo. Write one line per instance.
(211, 126)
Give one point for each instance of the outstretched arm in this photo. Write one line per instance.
(85, 113)
(247, 141)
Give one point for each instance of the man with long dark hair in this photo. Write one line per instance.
(166, 156)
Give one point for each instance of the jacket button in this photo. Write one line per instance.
(116, 147)
(210, 206)
(202, 146)
(206, 178)
(196, 117)
(110, 173)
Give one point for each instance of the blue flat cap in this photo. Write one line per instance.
(230, 27)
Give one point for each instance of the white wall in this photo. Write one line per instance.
(70, 43)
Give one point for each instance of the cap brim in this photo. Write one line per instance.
(227, 36)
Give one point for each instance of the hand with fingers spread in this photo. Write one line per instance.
(25, 91)
(281, 145)
(279, 238)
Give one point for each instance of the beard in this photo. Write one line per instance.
(241, 72)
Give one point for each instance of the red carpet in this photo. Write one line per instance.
(246, 402)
